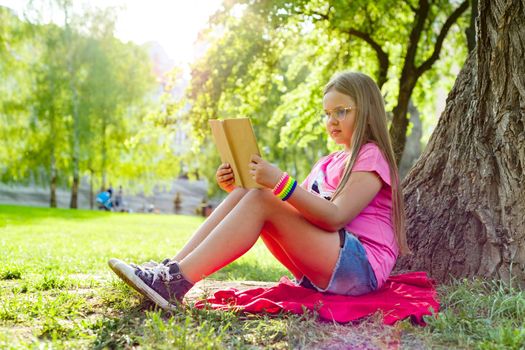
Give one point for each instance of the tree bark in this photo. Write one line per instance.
(470, 32)
(465, 197)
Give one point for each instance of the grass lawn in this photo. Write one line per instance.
(56, 291)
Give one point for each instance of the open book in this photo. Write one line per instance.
(235, 141)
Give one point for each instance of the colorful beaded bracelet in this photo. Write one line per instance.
(280, 184)
(285, 186)
(287, 189)
(291, 190)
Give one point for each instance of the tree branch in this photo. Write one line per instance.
(382, 56)
(322, 15)
(407, 2)
(421, 16)
(325, 16)
(441, 37)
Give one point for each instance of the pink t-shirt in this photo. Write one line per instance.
(373, 225)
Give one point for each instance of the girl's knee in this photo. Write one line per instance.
(260, 199)
(259, 195)
(238, 192)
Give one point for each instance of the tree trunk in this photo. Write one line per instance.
(91, 194)
(470, 32)
(104, 154)
(413, 143)
(53, 181)
(74, 188)
(52, 162)
(399, 126)
(465, 197)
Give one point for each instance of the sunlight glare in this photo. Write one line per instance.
(173, 24)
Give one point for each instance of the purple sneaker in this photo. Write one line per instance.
(163, 284)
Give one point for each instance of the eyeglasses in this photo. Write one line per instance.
(338, 113)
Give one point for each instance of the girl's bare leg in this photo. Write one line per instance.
(312, 250)
(211, 222)
(278, 252)
(217, 215)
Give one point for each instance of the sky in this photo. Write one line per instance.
(172, 23)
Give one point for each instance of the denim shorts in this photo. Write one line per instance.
(352, 273)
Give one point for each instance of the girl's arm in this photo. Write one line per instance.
(358, 192)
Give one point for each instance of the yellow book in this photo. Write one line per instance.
(235, 141)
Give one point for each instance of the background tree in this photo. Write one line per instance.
(465, 197)
(35, 99)
(118, 76)
(74, 67)
(15, 89)
(74, 103)
(50, 105)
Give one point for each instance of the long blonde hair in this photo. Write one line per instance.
(371, 125)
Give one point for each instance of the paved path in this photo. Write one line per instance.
(192, 193)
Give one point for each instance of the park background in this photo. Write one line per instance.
(118, 124)
(89, 103)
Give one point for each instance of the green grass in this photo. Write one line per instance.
(57, 292)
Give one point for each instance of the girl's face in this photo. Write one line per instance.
(340, 111)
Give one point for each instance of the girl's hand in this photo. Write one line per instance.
(264, 173)
(225, 178)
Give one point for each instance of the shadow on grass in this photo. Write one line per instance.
(146, 325)
(124, 314)
(248, 271)
(186, 328)
(117, 332)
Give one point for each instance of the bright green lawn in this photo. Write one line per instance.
(56, 291)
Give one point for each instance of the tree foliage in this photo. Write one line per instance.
(269, 60)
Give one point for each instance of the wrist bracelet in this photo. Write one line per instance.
(291, 190)
(280, 184)
(287, 184)
(288, 187)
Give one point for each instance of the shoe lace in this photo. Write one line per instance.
(159, 270)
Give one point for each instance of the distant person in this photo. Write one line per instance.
(118, 198)
(104, 201)
(177, 203)
(151, 208)
(340, 231)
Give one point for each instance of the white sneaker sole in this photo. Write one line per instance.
(127, 274)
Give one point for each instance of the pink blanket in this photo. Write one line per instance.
(408, 295)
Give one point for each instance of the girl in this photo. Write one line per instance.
(340, 231)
